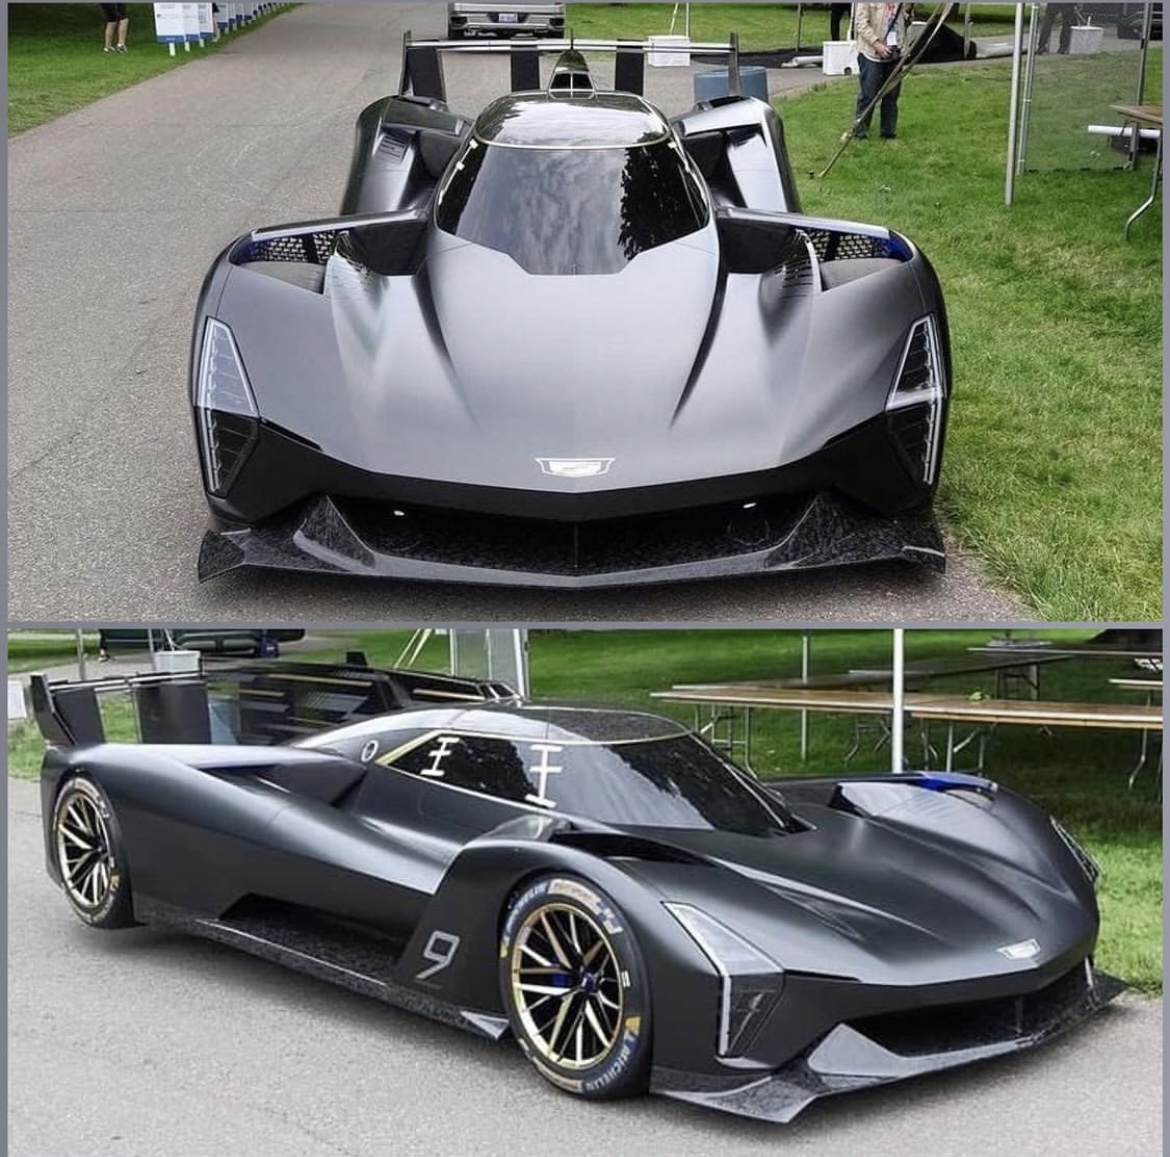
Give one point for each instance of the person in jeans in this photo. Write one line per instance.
(879, 32)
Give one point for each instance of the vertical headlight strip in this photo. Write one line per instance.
(1088, 865)
(227, 414)
(919, 384)
(750, 981)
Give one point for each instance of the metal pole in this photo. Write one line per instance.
(804, 714)
(80, 655)
(1029, 86)
(799, 24)
(898, 721)
(520, 648)
(1147, 25)
(1014, 111)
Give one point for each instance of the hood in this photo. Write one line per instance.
(473, 370)
(857, 899)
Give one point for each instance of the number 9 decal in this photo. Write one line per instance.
(440, 950)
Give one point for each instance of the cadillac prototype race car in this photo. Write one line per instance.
(568, 342)
(603, 886)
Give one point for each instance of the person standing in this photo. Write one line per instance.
(1068, 18)
(837, 12)
(117, 23)
(879, 32)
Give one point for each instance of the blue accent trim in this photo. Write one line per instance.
(950, 780)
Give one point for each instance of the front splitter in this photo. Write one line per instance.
(826, 532)
(846, 1060)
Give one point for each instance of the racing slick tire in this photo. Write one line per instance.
(90, 855)
(574, 984)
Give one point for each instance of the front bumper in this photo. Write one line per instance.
(891, 1048)
(490, 22)
(375, 539)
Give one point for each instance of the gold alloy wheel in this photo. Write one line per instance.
(566, 986)
(83, 851)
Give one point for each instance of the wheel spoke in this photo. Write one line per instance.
(552, 939)
(525, 947)
(545, 989)
(572, 1031)
(594, 1023)
(76, 837)
(558, 1024)
(84, 816)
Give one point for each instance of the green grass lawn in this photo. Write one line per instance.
(1079, 776)
(760, 26)
(1053, 470)
(56, 63)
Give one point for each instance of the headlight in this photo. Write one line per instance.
(914, 408)
(226, 410)
(751, 982)
(1088, 865)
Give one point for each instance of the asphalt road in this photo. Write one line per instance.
(115, 213)
(144, 1042)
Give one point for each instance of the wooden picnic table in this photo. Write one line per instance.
(728, 702)
(1071, 650)
(985, 714)
(1047, 713)
(1135, 683)
(924, 707)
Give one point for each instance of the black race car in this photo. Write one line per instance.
(568, 342)
(604, 887)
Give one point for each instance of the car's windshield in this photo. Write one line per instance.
(674, 782)
(572, 211)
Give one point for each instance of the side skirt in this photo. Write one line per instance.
(325, 949)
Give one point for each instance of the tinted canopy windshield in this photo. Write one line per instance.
(675, 782)
(572, 210)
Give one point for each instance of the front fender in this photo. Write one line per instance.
(472, 901)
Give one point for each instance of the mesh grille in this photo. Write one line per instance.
(537, 546)
(314, 248)
(832, 246)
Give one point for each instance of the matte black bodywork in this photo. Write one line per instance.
(570, 343)
(914, 922)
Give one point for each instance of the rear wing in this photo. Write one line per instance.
(250, 703)
(422, 61)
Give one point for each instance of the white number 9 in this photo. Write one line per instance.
(440, 950)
